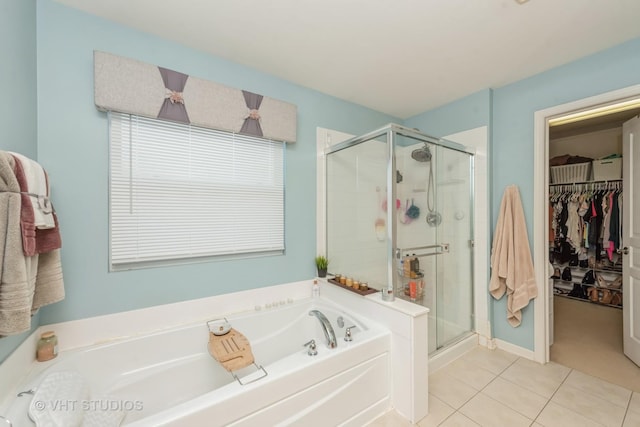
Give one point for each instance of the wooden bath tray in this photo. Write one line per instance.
(231, 349)
(357, 291)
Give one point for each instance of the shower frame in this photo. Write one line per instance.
(390, 131)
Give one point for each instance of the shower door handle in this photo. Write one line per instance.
(431, 250)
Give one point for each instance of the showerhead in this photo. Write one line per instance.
(422, 154)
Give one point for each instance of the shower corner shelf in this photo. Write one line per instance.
(357, 291)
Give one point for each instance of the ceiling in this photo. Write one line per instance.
(400, 57)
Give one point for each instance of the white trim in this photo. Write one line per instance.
(515, 349)
(540, 214)
(324, 139)
(477, 138)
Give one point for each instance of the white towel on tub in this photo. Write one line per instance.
(63, 399)
(38, 185)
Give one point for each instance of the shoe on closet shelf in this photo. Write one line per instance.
(616, 299)
(593, 294)
(607, 296)
(583, 263)
(577, 292)
(616, 284)
(573, 261)
(566, 274)
(556, 273)
(589, 278)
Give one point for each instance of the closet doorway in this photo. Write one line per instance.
(583, 305)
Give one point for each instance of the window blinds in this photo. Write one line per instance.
(179, 192)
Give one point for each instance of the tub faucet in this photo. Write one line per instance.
(329, 334)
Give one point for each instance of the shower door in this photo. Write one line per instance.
(434, 227)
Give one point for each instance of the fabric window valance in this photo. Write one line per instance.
(134, 87)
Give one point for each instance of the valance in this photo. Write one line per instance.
(134, 87)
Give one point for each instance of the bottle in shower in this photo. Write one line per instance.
(407, 266)
(315, 290)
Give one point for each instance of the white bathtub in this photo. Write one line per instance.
(169, 379)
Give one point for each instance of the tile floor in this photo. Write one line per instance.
(498, 389)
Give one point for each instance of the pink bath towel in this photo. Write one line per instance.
(511, 265)
(34, 240)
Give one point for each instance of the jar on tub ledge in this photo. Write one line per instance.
(47, 347)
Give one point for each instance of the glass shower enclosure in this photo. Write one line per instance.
(399, 216)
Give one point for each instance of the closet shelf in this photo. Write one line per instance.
(598, 270)
(591, 285)
(584, 182)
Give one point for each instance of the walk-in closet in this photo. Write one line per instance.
(585, 247)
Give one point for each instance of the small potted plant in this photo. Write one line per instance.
(321, 264)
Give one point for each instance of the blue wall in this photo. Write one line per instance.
(18, 76)
(73, 146)
(512, 142)
(18, 119)
(509, 113)
(470, 112)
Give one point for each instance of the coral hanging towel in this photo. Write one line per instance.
(511, 265)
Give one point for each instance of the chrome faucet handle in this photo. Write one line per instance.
(347, 333)
(312, 348)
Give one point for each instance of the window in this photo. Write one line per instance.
(179, 193)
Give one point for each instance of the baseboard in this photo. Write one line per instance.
(514, 349)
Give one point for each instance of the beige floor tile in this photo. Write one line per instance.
(469, 373)
(390, 419)
(438, 412)
(632, 419)
(541, 379)
(612, 393)
(634, 404)
(516, 397)
(450, 390)
(554, 415)
(488, 412)
(494, 361)
(590, 406)
(458, 420)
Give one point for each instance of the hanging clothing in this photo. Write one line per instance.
(614, 224)
(574, 223)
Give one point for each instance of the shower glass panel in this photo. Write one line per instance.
(399, 216)
(356, 219)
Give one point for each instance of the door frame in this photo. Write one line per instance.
(541, 196)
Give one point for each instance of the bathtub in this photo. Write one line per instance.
(169, 379)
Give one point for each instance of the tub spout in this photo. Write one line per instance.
(329, 334)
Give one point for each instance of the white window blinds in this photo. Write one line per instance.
(179, 192)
